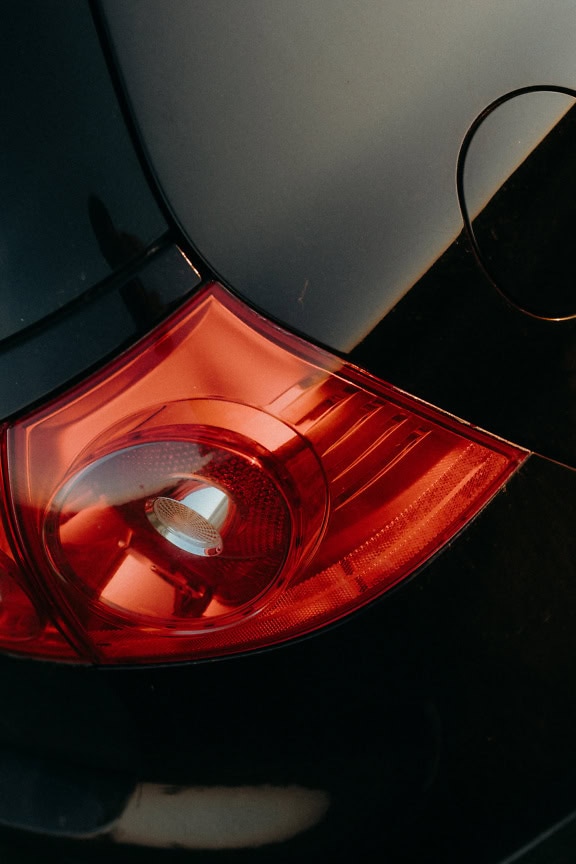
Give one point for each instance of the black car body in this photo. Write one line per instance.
(304, 156)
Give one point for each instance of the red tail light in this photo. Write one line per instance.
(223, 486)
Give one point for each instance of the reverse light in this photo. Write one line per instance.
(223, 486)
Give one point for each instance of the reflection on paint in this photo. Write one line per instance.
(218, 817)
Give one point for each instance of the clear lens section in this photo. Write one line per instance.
(127, 531)
(226, 486)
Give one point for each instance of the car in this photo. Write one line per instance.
(288, 462)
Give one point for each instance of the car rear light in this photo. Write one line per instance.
(223, 486)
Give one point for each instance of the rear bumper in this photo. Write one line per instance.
(437, 724)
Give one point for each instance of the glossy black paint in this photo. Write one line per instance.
(524, 237)
(455, 342)
(64, 145)
(54, 352)
(35, 791)
(440, 719)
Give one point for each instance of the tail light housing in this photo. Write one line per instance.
(223, 486)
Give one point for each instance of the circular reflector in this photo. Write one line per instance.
(184, 527)
(187, 534)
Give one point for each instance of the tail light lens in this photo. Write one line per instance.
(223, 486)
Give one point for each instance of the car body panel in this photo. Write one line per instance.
(308, 150)
(437, 723)
(456, 342)
(74, 203)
